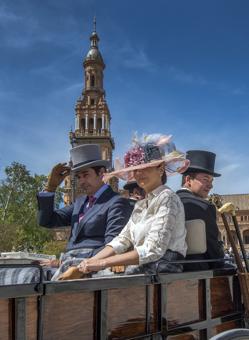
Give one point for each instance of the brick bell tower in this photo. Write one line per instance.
(92, 115)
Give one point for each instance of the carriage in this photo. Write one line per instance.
(175, 306)
(188, 305)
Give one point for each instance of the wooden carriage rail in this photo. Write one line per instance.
(156, 321)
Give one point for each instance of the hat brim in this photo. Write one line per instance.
(198, 169)
(128, 173)
(123, 173)
(91, 165)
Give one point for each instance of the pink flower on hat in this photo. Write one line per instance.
(134, 156)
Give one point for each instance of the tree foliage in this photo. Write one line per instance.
(18, 210)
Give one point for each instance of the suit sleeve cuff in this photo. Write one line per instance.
(45, 194)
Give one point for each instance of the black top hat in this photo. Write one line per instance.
(87, 156)
(201, 161)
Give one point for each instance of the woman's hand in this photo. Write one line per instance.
(91, 265)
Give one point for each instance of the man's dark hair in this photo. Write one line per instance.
(98, 168)
(138, 189)
(192, 175)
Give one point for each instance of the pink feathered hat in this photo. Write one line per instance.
(150, 151)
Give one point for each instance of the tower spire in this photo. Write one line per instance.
(94, 24)
(94, 36)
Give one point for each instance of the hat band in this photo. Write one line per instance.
(83, 163)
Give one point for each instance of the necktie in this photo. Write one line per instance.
(91, 200)
(87, 206)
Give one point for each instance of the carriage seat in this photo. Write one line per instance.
(196, 237)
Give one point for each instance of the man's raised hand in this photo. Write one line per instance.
(59, 172)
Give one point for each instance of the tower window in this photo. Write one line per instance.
(91, 125)
(99, 124)
(92, 80)
(83, 124)
(92, 101)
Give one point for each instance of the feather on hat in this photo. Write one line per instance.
(149, 151)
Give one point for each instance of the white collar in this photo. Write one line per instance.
(157, 191)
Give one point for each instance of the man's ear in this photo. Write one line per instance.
(187, 180)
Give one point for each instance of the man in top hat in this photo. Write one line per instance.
(196, 183)
(95, 218)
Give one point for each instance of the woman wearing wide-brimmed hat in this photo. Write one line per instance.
(155, 233)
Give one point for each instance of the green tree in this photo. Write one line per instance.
(18, 210)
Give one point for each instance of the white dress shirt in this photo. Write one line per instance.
(156, 225)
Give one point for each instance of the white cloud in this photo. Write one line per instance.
(185, 77)
(27, 28)
(38, 145)
(195, 79)
(6, 16)
(238, 91)
(5, 94)
(73, 88)
(230, 168)
(134, 57)
(233, 166)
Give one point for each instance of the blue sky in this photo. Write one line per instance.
(176, 67)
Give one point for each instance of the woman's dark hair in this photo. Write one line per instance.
(164, 178)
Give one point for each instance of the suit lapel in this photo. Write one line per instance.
(80, 202)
